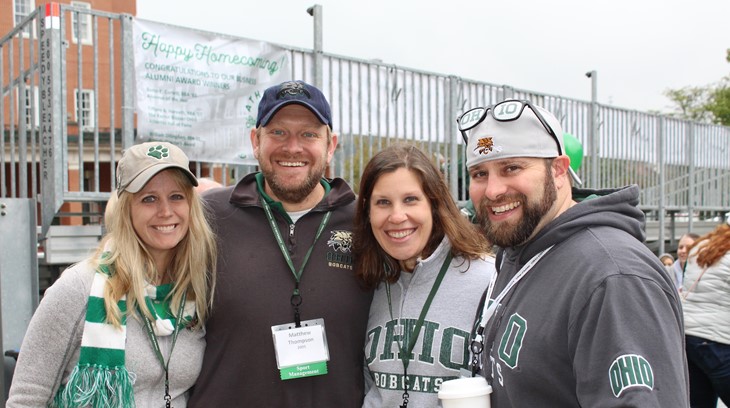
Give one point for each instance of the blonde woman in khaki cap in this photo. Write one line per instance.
(124, 327)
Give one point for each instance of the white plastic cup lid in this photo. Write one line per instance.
(464, 388)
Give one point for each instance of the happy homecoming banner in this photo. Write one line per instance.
(200, 90)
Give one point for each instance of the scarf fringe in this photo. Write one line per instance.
(97, 387)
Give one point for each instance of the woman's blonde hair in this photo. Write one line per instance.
(132, 266)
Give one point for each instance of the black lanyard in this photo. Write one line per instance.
(417, 329)
(156, 345)
(296, 297)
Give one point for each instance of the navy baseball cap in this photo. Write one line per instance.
(287, 93)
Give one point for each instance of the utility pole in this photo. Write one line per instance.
(316, 12)
(593, 133)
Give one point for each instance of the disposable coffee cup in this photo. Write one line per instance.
(471, 392)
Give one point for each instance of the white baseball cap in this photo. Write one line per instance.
(512, 128)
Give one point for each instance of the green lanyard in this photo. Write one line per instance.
(417, 329)
(156, 345)
(296, 297)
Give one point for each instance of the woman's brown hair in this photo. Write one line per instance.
(372, 264)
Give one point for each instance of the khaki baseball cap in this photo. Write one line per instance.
(141, 162)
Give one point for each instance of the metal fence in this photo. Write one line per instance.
(681, 166)
(50, 79)
(67, 111)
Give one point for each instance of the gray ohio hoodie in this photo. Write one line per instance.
(442, 348)
(596, 322)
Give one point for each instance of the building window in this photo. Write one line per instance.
(85, 109)
(82, 27)
(21, 10)
(31, 113)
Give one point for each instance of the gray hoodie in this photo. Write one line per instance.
(596, 322)
(442, 348)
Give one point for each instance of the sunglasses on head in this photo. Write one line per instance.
(503, 112)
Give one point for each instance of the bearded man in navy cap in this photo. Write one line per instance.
(581, 313)
(289, 317)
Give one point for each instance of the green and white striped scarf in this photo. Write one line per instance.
(100, 378)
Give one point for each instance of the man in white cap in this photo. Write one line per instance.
(581, 313)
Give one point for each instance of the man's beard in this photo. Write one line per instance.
(508, 234)
(295, 194)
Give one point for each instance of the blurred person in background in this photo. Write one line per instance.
(666, 259)
(685, 242)
(206, 184)
(706, 301)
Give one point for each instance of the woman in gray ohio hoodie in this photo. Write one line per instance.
(429, 266)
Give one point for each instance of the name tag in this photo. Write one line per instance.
(301, 351)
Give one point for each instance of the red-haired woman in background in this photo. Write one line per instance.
(706, 294)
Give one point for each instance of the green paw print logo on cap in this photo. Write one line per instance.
(158, 152)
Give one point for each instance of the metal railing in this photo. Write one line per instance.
(83, 116)
(67, 111)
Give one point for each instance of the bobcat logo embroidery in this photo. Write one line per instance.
(292, 89)
(484, 146)
(630, 370)
(340, 241)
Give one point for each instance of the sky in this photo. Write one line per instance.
(638, 48)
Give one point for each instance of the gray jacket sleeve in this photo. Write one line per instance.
(621, 340)
(51, 343)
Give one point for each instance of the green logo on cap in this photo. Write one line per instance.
(158, 152)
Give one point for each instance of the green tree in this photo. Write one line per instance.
(719, 103)
(709, 104)
(690, 102)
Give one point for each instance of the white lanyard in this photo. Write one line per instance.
(489, 308)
